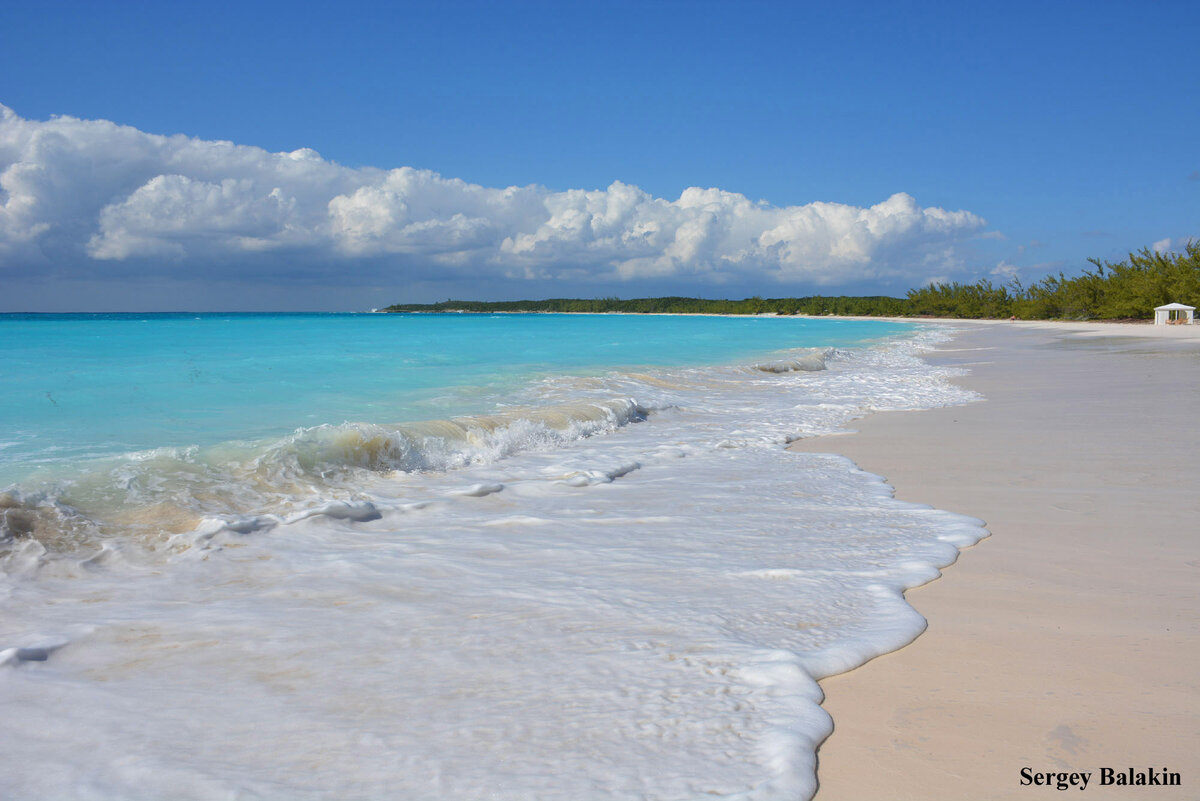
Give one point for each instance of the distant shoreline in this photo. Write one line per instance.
(1083, 328)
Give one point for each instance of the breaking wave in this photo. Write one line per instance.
(809, 362)
(155, 494)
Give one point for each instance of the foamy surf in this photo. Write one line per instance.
(149, 495)
(618, 586)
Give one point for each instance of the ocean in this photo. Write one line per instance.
(444, 556)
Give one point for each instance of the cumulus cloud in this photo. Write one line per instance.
(91, 195)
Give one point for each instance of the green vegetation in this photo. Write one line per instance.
(1128, 289)
(843, 305)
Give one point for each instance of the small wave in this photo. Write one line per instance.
(809, 362)
(586, 478)
(38, 651)
(57, 526)
(447, 444)
(173, 496)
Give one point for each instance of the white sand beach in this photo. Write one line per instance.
(1068, 640)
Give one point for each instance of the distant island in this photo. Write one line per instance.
(877, 305)
(1126, 290)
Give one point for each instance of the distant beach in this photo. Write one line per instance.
(1066, 642)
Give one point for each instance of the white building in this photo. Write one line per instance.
(1174, 313)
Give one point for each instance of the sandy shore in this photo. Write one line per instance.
(1069, 640)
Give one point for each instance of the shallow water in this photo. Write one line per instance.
(610, 580)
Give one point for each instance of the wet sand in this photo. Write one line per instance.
(1069, 640)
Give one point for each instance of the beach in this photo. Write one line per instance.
(608, 580)
(1066, 642)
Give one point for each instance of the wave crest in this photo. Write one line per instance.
(808, 362)
(447, 444)
(152, 496)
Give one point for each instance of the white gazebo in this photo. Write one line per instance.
(1174, 314)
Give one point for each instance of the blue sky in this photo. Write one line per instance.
(1021, 138)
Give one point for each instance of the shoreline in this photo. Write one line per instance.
(1066, 640)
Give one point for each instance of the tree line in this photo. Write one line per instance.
(842, 305)
(1128, 289)
(1107, 291)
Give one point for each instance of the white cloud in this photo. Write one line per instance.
(89, 196)
(1162, 245)
(1005, 271)
(170, 212)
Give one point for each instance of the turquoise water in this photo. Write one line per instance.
(84, 385)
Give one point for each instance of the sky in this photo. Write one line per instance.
(283, 156)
